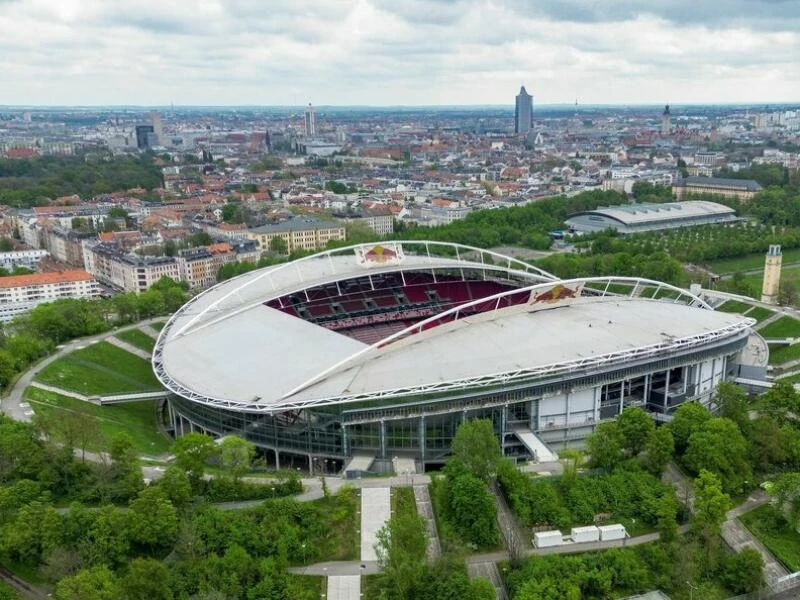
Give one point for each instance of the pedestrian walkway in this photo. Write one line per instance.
(344, 587)
(515, 538)
(376, 508)
(129, 348)
(737, 536)
(148, 329)
(422, 499)
(61, 392)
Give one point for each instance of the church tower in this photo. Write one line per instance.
(666, 121)
(772, 275)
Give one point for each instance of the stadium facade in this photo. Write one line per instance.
(381, 351)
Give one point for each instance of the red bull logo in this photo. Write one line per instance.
(554, 294)
(380, 254)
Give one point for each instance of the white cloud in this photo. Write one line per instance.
(388, 52)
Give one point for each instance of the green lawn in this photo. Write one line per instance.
(100, 369)
(749, 262)
(791, 378)
(734, 306)
(759, 313)
(403, 502)
(780, 539)
(137, 338)
(137, 419)
(158, 325)
(784, 327)
(781, 354)
(8, 592)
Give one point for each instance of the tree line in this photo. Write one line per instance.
(30, 182)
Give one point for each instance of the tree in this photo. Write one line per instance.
(278, 245)
(176, 487)
(605, 445)
(153, 519)
(667, 511)
(97, 583)
(146, 579)
(475, 445)
(658, 450)
(401, 548)
(732, 402)
(482, 589)
(635, 425)
(786, 490)
(237, 454)
(6, 244)
(471, 507)
(743, 571)
(710, 503)
(191, 453)
(718, 446)
(687, 419)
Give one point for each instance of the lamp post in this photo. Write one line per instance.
(691, 590)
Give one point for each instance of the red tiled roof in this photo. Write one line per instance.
(14, 281)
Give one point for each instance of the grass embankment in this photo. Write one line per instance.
(158, 325)
(749, 262)
(98, 370)
(759, 313)
(734, 306)
(137, 338)
(771, 530)
(137, 419)
(785, 327)
(782, 354)
(403, 502)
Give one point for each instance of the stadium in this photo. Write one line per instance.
(356, 356)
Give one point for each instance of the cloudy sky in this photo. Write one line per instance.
(390, 52)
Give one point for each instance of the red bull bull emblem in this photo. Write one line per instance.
(554, 294)
(380, 254)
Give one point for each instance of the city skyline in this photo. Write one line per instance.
(378, 53)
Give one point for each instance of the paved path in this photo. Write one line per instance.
(129, 348)
(344, 587)
(376, 508)
(60, 391)
(422, 499)
(336, 568)
(11, 402)
(738, 536)
(148, 329)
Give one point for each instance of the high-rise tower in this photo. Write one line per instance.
(310, 121)
(523, 115)
(772, 275)
(666, 121)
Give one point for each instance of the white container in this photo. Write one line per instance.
(589, 533)
(612, 532)
(547, 539)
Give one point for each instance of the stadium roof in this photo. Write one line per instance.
(255, 358)
(635, 214)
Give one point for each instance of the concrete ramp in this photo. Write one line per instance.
(376, 509)
(344, 587)
(540, 452)
(358, 465)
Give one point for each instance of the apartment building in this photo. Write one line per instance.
(128, 272)
(298, 234)
(28, 259)
(20, 293)
(198, 267)
(744, 189)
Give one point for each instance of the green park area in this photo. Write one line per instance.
(100, 369)
(137, 338)
(99, 424)
(749, 262)
(776, 534)
(785, 327)
(780, 354)
(158, 325)
(734, 306)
